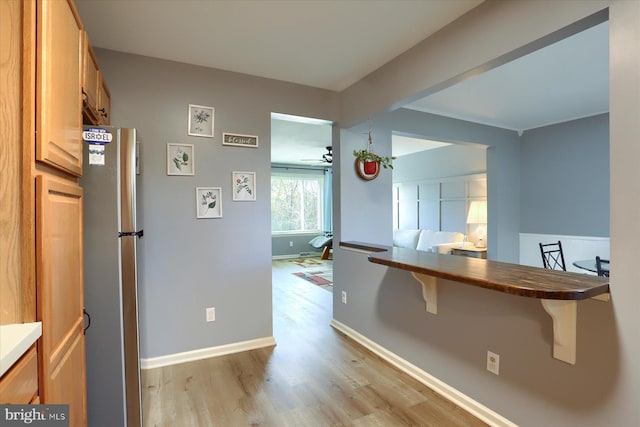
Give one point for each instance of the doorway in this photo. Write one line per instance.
(301, 201)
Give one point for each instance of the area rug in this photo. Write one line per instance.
(306, 262)
(322, 278)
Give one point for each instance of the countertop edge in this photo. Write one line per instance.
(556, 285)
(363, 246)
(15, 340)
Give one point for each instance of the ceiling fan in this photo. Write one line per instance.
(326, 157)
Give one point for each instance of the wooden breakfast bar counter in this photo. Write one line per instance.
(558, 291)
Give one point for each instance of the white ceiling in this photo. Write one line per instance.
(564, 81)
(301, 142)
(332, 44)
(319, 43)
(405, 145)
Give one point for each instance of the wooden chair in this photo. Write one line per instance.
(602, 266)
(552, 256)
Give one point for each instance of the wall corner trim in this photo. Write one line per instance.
(205, 353)
(465, 402)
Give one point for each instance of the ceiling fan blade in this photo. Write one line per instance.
(327, 158)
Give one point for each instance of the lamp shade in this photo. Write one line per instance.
(477, 212)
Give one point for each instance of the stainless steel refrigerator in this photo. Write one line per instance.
(111, 232)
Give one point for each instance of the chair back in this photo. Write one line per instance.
(552, 256)
(602, 266)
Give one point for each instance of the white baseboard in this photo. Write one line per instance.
(205, 353)
(460, 399)
(300, 255)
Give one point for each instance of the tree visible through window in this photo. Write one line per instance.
(296, 203)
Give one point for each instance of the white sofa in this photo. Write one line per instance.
(428, 240)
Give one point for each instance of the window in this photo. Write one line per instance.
(297, 203)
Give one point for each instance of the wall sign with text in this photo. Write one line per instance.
(239, 140)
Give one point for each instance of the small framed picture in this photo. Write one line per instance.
(240, 140)
(180, 159)
(208, 202)
(201, 121)
(244, 186)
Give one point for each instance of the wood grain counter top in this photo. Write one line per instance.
(515, 279)
(558, 291)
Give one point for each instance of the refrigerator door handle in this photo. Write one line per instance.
(88, 322)
(131, 233)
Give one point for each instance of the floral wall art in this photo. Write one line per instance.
(244, 186)
(180, 160)
(208, 202)
(201, 121)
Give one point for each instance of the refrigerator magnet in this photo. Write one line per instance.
(96, 155)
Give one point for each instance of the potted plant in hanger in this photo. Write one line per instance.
(368, 163)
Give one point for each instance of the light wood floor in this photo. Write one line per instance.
(315, 376)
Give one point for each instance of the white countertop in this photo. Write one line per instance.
(15, 340)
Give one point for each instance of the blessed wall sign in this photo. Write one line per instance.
(240, 140)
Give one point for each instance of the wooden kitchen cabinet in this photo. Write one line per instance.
(58, 85)
(67, 382)
(61, 293)
(96, 98)
(19, 386)
(41, 201)
(17, 253)
(90, 81)
(104, 103)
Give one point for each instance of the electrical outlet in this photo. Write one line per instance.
(291, 243)
(211, 314)
(493, 362)
(344, 297)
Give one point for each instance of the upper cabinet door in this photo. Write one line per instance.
(104, 103)
(58, 92)
(90, 80)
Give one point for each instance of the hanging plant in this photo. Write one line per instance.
(366, 156)
(368, 163)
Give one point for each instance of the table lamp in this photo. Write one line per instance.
(478, 215)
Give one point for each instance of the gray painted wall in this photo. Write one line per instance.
(281, 245)
(365, 210)
(567, 195)
(623, 399)
(369, 203)
(190, 264)
(565, 178)
(385, 304)
(451, 160)
(502, 163)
